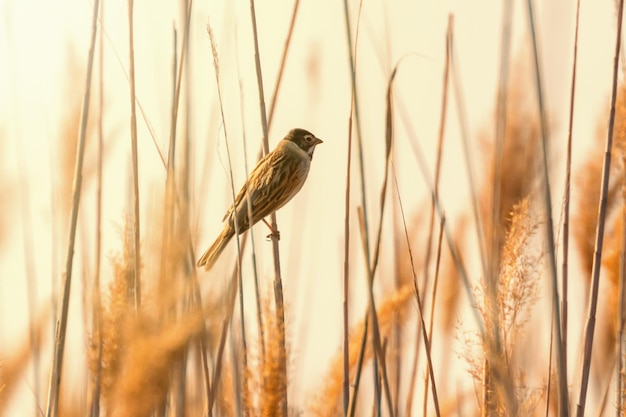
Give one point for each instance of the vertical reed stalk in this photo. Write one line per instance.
(346, 274)
(597, 258)
(619, 368)
(566, 200)
(278, 284)
(136, 285)
(419, 308)
(560, 353)
(97, 302)
(52, 407)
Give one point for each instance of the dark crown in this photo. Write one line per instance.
(303, 138)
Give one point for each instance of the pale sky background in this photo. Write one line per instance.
(39, 38)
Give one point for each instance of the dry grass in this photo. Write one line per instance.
(139, 348)
(518, 285)
(265, 376)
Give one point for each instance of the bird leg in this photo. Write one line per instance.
(275, 232)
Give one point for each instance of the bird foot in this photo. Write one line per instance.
(275, 233)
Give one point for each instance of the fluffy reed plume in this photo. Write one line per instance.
(521, 267)
(511, 177)
(150, 350)
(116, 310)
(608, 320)
(520, 270)
(265, 381)
(274, 378)
(520, 156)
(225, 404)
(326, 403)
(139, 347)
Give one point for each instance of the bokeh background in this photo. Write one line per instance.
(43, 57)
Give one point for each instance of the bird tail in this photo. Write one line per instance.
(210, 256)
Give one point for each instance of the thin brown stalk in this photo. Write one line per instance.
(419, 304)
(97, 302)
(183, 208)
(278, 284)
(359, 135)
(372, 270)
(168, 236)
(595, 277)
(179, 74)
(273, 102)
(52, 407)
(244, 393)
(372, 316)
(432, 305)
(566, 199)
(364, 226)
(219, 361)
(619, 368)
(349, 409)
(455, 253)
(603, 401)
(493, 341)
(144, 116)
(500, 131)
(549, 387)
(244, 340)
(560, 352)
(136, 287)
(257, 294)
(346, 274)
(236, 277)
(442, 123)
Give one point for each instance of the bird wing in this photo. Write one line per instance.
(256, 172)
(274, 181)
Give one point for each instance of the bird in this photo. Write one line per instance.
(274, 181)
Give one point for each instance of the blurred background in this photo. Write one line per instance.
(43, 65)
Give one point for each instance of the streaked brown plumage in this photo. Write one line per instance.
(273, 182)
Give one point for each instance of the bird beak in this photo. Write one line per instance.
(317, 141)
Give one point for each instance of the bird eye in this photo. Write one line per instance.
(308, 138)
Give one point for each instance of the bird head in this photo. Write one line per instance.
(304, 139)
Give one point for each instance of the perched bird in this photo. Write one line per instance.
(273, 182)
